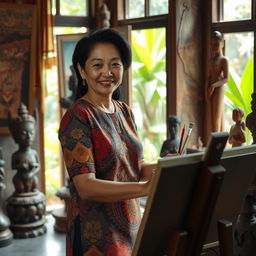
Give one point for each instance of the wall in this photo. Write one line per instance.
(190, 77)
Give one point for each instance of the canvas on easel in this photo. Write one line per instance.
(172, 192)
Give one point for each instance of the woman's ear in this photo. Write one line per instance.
(81, 71)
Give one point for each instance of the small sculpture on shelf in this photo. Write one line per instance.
(237, 131)
(26, 207)
(66, 102)
(5, 233)
(171, 145)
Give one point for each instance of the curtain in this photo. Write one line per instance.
(45, 45)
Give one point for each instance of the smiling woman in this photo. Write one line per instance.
(103, 74)
(102, 152)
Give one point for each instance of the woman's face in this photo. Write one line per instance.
(103, 70)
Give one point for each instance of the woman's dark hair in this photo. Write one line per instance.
(83, 49)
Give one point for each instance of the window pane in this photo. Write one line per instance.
(237, 10)
(149, 88)
(53, 7)
(158, 7)
(135, 8)
(238, 90)
(73, 8)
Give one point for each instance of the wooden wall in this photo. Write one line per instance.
(190, 65)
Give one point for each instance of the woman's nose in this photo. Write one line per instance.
(107, 71)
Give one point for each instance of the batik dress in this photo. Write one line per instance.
(105, 144)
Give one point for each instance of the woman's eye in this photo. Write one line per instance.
(97, 65)
(116, 64)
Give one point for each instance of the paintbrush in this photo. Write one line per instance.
(187, 137)
(181, 138)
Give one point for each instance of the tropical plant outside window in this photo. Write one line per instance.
(239, 50)
(236, 10)
(149, 88)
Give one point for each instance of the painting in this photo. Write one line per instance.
(67, 79)
(65, 48)
(17, 60)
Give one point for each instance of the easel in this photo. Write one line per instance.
(193, 201)
(191, 241)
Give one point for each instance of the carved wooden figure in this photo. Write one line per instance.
(171, 145)
(218, 76)
(5, 233)
(104, 16)
(26, 207)
(237, 131)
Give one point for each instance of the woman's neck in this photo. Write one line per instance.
(103, 103)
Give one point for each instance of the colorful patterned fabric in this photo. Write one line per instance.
(105, 144)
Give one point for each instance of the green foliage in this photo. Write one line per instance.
(239, 90)
(77, 8)
(149, 88)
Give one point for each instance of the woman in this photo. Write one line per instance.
(102, 152)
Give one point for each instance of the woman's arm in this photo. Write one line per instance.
(91, 188)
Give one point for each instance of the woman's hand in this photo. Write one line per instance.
(176, 154)
(147, 184)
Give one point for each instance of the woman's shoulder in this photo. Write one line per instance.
(123, 106)
(79, 110)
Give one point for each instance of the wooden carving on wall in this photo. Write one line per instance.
(189, 71)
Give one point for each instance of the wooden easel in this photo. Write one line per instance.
(193, 201)
(190, 242)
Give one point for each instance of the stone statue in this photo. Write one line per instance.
(66, 102)
(237, 131)
(171, 145)
(25, 159)
(26, 207)
(218, 76)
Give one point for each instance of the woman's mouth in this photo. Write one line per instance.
(106, 83)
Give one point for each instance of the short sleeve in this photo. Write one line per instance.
(75, 139)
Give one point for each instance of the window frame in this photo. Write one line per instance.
(234, 26)
(68, 20)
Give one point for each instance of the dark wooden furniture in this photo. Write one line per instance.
(193, 204)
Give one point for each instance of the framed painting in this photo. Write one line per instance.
(17, 60)
(67, 79)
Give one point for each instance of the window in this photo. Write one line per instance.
(149, 88)
(148, 41)
(236, 21)
(145, 8)
(236, 10)
(70, 13)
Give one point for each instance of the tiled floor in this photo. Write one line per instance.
(50, 244)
